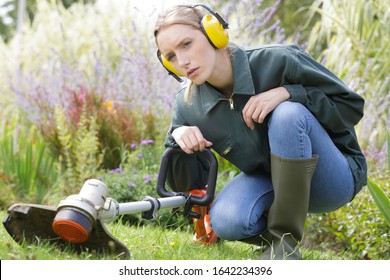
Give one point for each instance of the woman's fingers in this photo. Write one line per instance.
(190, 139)
(259, 106)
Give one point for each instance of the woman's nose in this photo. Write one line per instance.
(183, 60)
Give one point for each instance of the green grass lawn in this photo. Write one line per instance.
(150, 242)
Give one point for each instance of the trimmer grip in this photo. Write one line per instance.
(166, 160)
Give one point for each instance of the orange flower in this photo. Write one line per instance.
(110, 106)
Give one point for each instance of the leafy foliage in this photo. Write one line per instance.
(79, 149)
(357, 49)
(27, 167)
(357, 228)
(262, 26)
(9, 17)
(375, 188)
(380, 198)
(98, 65)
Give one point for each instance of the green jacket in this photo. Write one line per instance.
(256, 70)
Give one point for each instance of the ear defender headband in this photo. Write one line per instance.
(213, 27)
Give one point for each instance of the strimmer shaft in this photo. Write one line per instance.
(149, 207)
(146, 205)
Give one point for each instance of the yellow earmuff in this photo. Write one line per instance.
(167, 65)
(214, 31)
(213, 27)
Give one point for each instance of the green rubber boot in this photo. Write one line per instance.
(291, 179)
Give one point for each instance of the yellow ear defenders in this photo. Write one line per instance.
(213, 27)
(167, 65)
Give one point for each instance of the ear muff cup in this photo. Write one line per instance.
(214, 31)
(168, 65)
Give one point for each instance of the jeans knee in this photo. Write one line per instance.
(292, 121)
(242, 218)
(286, 113)
(237, 210)
(236, 228)
(225, 224)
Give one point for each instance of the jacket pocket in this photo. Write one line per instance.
(225, 148)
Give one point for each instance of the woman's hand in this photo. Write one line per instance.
(260, 105)
(190, 139)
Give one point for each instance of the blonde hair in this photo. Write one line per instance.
(178, 14)
(182, 14)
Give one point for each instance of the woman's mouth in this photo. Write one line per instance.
(192, 72)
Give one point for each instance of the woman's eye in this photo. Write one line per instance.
(187, 44)
(171, 57)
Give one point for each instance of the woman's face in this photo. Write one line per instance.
(188, 50)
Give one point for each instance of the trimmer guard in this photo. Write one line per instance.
(33, 223)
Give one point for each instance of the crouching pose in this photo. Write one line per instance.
(274, 112)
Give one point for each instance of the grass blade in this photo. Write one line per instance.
(388, 150)
(380, 198)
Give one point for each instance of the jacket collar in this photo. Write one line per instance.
(243, 83)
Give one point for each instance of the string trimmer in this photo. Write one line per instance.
(78, 221)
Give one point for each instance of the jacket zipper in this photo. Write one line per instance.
(231, 102)
(228, 149)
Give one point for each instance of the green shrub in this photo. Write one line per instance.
(357, 228)
(79, 149)
(89, 55)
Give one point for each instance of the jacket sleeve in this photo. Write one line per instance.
(186, 171)
(333, 103)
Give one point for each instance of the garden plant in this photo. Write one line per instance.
(82, 95)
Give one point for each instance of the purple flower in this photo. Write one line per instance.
(131, 185)
(133, 146)
(117, 170)
(147, 179)
(147, 142)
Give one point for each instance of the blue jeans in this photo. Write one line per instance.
(237, 212)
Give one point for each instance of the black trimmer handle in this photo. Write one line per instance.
(211, 182)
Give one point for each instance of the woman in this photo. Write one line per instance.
(282, 118)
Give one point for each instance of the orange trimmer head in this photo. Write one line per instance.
(33, 223)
